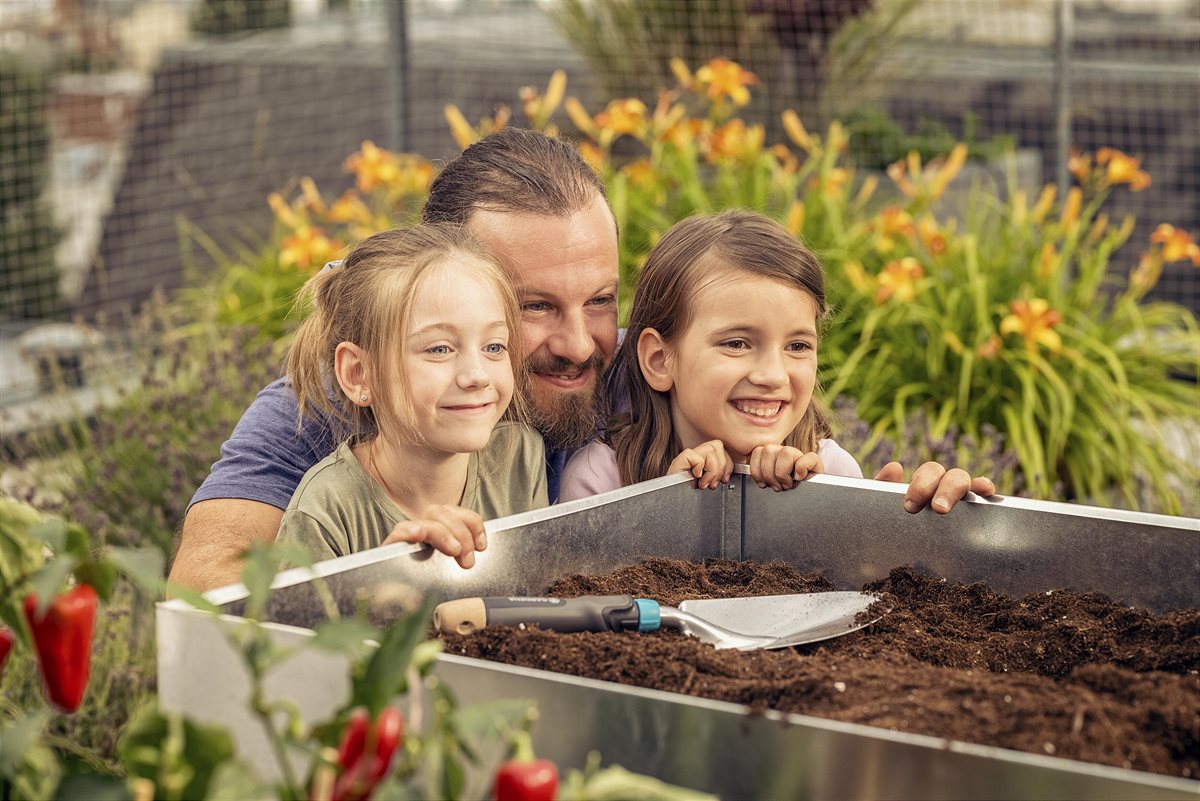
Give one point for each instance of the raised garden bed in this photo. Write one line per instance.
(1061, 673)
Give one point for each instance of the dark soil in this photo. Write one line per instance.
(1062, 673)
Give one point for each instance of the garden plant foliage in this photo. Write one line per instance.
(1004, 319)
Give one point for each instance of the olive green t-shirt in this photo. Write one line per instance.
(339, 509)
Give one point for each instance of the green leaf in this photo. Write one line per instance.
(17, 737)
(258, 571)
(188, 595)
(341, 636)
(384, 677)
(50, 581)
(234, 780)
(179, 756)
(52, 532)
(143, 566)
(453, 776)
(99, 574)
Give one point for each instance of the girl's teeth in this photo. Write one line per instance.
(758, 411)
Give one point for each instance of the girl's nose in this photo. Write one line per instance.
(471, 373)
(769, 371)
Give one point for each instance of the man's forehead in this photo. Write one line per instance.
(531, 245)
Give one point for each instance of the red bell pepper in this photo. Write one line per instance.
(535, 780)
(62, 638)
(366, 751)
(6, 643)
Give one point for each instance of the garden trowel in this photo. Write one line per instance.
(762, 621)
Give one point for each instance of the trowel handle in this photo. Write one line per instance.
(585, 613)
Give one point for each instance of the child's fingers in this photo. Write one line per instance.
(767, 466)
(429, 532)
(714, 468)
(473, 522)
(462, 525)
(807, 465)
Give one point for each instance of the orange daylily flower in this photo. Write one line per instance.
(1177, 244)
(1146, 274)
(948, 171)
(307, 247)
(833, 183)
(931, 235)
(578, 114)
(626, 116)
(797, 132)
(1034, 320)
(1071, 207)
(899, 280)
(722, 78)
(1079, 165)
(283, 212)
(787, 161)
(795, 218)
(682, 73)
(898, 172)
(858, 277)
(640, 173)
(373, 167)
(683, 133)
(1122, 169)
(538, 108)
(1044, 202)
(1048, 261)
(734, 140)
(349, 208)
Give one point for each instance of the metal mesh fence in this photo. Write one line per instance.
(140, 137)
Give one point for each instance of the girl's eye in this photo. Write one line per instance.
(438, 350)
(799, 347)
(495, 348)
(735, 344)
(536, 306)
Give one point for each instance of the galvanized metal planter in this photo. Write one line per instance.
(851, 530)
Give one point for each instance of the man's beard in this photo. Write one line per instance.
(566, 420)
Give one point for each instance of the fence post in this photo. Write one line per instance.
(1064, 33)
(398, 117)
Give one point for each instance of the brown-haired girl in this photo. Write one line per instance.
(719, 363)
(407, 349)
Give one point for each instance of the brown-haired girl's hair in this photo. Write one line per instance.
(368, 301)
(693, 251)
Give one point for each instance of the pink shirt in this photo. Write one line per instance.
(593, 469)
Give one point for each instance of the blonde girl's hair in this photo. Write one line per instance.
(691, 253)
(368, 301)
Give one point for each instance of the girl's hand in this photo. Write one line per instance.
(453, 530)
(782, 467)
(936, 487)
(709, 462)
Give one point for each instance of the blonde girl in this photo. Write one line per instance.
(719, 364)
(408, 351)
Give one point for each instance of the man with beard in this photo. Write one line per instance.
(541, 209)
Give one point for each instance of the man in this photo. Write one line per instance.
(536, 203)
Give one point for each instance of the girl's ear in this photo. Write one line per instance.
(654, 357)
(350, 369)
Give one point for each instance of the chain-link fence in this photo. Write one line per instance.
(140, 138)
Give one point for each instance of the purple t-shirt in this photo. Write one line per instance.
(266, 455)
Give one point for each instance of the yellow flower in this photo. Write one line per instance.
(1177, 244)
(283, 212)
(892, 222)
(787, 162)
(307, 247)
(538, 108)
(1048, 261)
(795, 218)
(626, 116)
(733, 141)
(722, 78)
(1146, 274)
(312, 198)
(1034, 320)
(684, 133)
(1079, 165)
(640, 173)
(373, 166)
(1098, 227)
(858, 277)
(1070, 212)
(415, 176)
(948, 171)
(1122, 169)
(349, 208)
(899, 280)
(898, 172)
(797, 132)
(1044, 202)
(464, 135)
(578, 114)
(866, 190)
(931, 235)
(832, 183)
(682, 73)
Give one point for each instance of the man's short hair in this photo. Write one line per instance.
(514, 170)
